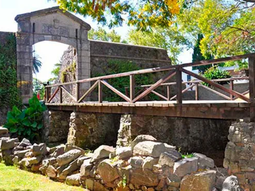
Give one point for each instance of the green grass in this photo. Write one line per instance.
(14, 179)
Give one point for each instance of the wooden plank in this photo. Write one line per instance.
(159, 95)
(216, 92)
(88, 91)
(68, 93)
(168, 76)
(231, 87)
(100, 92)
(179, 85)
(53, 95)
(252, 87)
(197, 92)
(216, 85)
(116, 91)
(77, 90)
(132, 87)
(60, 95)
(168, 92)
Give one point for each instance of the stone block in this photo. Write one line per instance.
(107, 171)
(3, 130)
(68, 157)
(39, 149)
(140, 177)
(136, 162)
(7, 143)
(124, 152)
(168, 158)
(149, 148)
(86, 168)
(102, 152)
(204, 161)
(141, 138)
(185, 166)
(73, 180)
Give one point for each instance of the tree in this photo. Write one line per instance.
(140, 13)
(36, 64)
(170, 39)
(101, 34)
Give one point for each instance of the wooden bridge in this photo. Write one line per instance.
(234, 105)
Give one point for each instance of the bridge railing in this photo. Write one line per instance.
(169, 72)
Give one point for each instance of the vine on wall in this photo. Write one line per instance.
(9, 95)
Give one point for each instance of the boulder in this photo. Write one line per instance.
(204, 161)
(68, 157)
(73, 180)
(202, 181)
(149, 148)
(124, 152)
(81, 159)
(28, 162)
(51, 172)
(143, 177)
(136, 162)
(102, 152)
(148, 162)
(7, 157)
(3, 130)
(185, 166)
(73, 166)
(21, 154)
(230, 183)
(141, 138)
(107, 171)
(7, 143)
(86, 168)
(169, 158)
(40, 149)
(25, 143)
(58, 150)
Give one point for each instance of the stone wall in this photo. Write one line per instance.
(240, 153)
(208, 136)
(145, 57)
(91, 130)
(56, 126)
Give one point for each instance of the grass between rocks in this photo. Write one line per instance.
(14, 179)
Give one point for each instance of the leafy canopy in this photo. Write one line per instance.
(140, 13)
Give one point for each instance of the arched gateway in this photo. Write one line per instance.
(50, 24)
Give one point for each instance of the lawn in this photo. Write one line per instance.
(14, 179)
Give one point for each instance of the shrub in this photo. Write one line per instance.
(215, 73)
(27, 122)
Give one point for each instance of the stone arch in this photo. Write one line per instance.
(51, 24)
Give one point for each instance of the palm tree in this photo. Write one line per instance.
(36, 64)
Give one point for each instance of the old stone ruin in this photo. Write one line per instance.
(144, 165)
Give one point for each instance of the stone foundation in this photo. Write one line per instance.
(56, 126)
(91, 130)
(240, 154)
(208, 136)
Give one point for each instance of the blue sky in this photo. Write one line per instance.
(49, 52)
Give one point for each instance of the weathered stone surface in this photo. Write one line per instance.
(7, 157)
(59, 150)
(68, 157)
(6, 143)
(168, 158)
(124, 152)
(185, 166)
(141, 138)
(25, 142)
(15, 160)
(73, 166)
(203, 181)
(148, 162)
(51, 172)
(40, 149)
(149, 148)
(3, 130)
(99, 187)
(102, 152)
(107, 171)
(136, 162)
(81, 159)
(86, 168)
(230, 184)
(204, 161)
(140, 177)
(21, 154)
(36, 167)
(89, 184)
(73, 180)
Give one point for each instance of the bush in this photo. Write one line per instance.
(215, 73)
(27, 122)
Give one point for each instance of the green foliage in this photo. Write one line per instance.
(8, 76)
(38, 87)
(101, 34)
(117, 66)
(37, 64)
(170, 39)
(68, 71)
(123, 182)
(140, 13)
(215, 73)
(26, 122)
(187, 155)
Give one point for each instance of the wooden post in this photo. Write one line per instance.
(126, 91)
(48, 93)
(197, 92)
(252, 87)
(77, 91)
(179, 84)
(100, 92)
(168, 92)
(60, 94)
(132, 87)
(231, 87)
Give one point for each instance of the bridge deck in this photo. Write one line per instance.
(222, 109)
